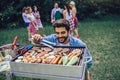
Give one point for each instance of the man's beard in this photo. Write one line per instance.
(65, 38)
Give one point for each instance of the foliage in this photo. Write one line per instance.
(10, 10)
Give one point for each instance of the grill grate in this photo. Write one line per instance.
(63, 50)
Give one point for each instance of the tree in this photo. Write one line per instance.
(11, 10)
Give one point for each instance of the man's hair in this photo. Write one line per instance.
(62, 23)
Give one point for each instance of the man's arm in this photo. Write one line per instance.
(89, 64)
(37, 38)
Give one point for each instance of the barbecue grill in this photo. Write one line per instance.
(51, 71)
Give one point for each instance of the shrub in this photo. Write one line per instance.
(10, 10)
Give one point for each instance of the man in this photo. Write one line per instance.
(56, 13)
(63, 37)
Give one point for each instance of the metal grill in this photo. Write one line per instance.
(50, 71)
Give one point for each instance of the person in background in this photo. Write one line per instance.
(74, 11)
(38, 21)
(33, 24)
(26, 20)
(67, 14)
(56, 13)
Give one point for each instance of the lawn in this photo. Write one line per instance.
(102, 37)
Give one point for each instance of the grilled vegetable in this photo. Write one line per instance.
(78, 54)
(52, 56)
(73, 61)
(51, 53)
(65, 60)
(46, 55)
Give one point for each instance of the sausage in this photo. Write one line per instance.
(78, 54)
(70, 54)
(43, 60)
(42, 54)
(70, 57)
(39, 60)
(52, 60)
(64, 50)
(56, 60)
(48, 60)
(60, 61)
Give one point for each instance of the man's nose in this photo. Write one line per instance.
(60, 35)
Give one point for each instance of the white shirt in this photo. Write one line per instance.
(25, 18)
(31, 16)
(69, 16)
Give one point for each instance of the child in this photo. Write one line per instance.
(33, 23)
(38, 21)
(26, 20)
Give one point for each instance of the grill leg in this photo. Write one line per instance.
(9, 76)
(87, 75)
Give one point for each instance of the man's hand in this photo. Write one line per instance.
(37, 38)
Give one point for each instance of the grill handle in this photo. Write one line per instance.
(89, 58)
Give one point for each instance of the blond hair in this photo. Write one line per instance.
(72, 3)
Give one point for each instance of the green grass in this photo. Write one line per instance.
(102, 37)
(103, 40)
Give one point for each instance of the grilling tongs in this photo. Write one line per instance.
(47, 43)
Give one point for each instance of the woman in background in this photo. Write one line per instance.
(74, 11)
(67, 14)
(38, 21)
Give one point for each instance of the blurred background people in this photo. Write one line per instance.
(67, 14)
(38, 21)
(26, 20)
(56, 13)
(33, 24)
(74, 11)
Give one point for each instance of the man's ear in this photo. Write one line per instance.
(69, 32)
